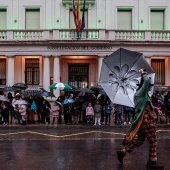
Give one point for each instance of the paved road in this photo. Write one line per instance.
(74, 149)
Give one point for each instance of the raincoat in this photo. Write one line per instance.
(141, 98)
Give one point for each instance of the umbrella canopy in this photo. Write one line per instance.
(3, 98)
(20, 86)
(119, 75)
(20, 102)
(34, 90)
(10, 89)
(102, 92)
(68, 101)
(60, 86)
(47, 94)
(85, 90)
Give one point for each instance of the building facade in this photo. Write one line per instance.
(39, 43)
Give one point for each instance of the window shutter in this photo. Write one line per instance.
(32, 19)
(157, 20)
(124, 20)
(3, 19)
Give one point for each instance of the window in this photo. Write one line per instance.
(157, 19)
(32, 19)
(124, 19)
(159, 67)
(72, 23)
(3, 19)
(2, 71)
(78, 75)
(32, 72)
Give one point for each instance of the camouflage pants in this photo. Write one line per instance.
(146, 131)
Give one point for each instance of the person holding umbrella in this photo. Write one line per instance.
(143, 124)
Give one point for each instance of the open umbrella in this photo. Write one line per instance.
(10, 89)
(3, 98)
(85, 90)
(20, 86)
(20, 102)
(119, 75)
(47, 94)
(34, 90)
(67, 101)
(60, 86)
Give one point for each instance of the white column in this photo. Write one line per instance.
(46, 73)
(100, 59)
(10, 71)
(56, 74)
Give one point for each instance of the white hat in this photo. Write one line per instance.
(17, 95)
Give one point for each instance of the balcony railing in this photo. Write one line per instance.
(89, 34)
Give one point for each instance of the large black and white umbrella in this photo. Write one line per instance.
(119, 75)
(34, 90)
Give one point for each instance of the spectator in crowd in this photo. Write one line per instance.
(75, 114)
(55, 111)
(119, 111)
(5, 113)
(97, 113)
(16, 107)
(90, 114)
(167, 112)
(22, 111)
(107, 112)
(159, 105)
(127, 114)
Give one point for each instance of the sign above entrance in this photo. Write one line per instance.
(80, 48)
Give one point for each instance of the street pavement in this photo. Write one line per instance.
(74, 147)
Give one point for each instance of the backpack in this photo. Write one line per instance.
(33, 106)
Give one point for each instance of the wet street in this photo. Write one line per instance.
(74, 148)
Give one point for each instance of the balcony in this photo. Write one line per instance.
(89, 35)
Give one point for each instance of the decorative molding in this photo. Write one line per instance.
(88, 3)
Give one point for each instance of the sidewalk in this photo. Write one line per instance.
(67, 127)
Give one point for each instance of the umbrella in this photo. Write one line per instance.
(99, 87)
(3, 98)
(47, 94)
(21, 86)
(68, 101)
(60, 86)
(10, 89)
(102, 92)
(119, 75)
(85, 90)
(20, 102)
(35, 90)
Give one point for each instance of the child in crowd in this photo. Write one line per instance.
(89, 114)
(75, 114)
(55, 111)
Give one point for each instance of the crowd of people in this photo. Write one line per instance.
(88, 109)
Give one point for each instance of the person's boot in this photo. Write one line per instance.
(53, 121)
(154, 165)
(120, 155)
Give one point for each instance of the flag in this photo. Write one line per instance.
(78, 16)
(74, 13)
(83, 17)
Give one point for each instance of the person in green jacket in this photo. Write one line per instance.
(143, 124)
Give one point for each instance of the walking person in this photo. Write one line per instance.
(143, 125)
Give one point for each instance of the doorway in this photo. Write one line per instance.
(78, 75)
